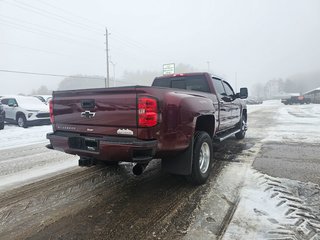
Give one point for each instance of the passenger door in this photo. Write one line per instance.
(234, 103)
(10, 110)
(225, 105)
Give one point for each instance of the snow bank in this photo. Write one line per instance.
(13, 136)
(296, 123)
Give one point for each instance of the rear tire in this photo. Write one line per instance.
(22, 121)
(202, 158)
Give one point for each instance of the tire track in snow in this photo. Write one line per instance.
(299, 222)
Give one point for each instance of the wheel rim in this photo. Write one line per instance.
(243, 125)
(204, 158)
(20, 122)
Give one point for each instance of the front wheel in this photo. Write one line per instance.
(243, 127)
(22, 121)
(202, 158)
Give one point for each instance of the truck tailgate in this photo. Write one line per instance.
(96, 108)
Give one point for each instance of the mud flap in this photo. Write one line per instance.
(180, 164)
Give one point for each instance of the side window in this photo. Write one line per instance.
(217, 83)
(11, 101)
(229, 90)
(4, 101)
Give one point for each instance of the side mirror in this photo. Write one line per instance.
(243, 93)
(12, 105)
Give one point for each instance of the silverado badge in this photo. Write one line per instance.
(88, 114)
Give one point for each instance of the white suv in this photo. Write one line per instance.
(25, 111)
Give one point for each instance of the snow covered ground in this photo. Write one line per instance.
(273, 208)
(279, 208)
(296, 123)
(25, 159)
(265, 104)
(13, 136)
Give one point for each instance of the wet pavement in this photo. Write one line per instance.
(111, 203)
(293, 161)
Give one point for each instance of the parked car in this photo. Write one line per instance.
(296, 100)
(44, 98)
(2, 116)
(25, 110)
(176, 119)
(252, 101)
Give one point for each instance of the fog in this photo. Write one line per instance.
(246, 42)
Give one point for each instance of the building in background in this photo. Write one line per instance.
(314, 95)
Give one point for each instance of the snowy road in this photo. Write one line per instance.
(263, 187)
(25, 159)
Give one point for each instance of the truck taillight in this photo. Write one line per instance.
(51, 111)
(147, 112)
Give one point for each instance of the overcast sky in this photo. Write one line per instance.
(257, 39)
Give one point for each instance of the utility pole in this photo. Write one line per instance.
(236, 80)
(114, 73)
(107, 53)
(208, 62)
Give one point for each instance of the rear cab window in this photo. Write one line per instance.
(194, 83)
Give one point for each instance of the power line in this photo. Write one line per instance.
(122, 38)
(45, 34)
(126, 38)
(47, 74)
(119, 38)
(70, 13)
(41, 27)
(36, 49)
(55, 75)
(54, 16)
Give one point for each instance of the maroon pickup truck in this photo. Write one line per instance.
(176, 120)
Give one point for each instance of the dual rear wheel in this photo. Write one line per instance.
(203, 153)
(202, 158)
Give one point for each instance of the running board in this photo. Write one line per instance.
(225, 136)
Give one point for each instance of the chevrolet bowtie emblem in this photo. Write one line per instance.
(88, 114)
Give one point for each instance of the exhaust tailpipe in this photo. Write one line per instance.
(139, 168)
